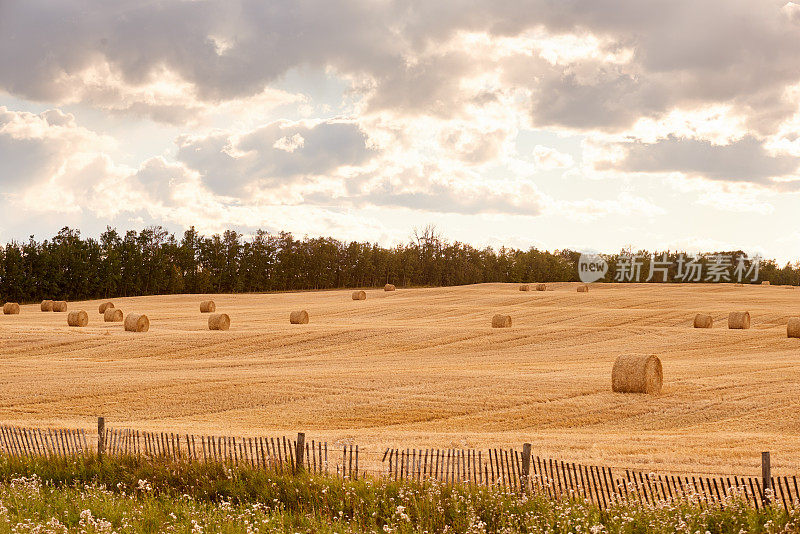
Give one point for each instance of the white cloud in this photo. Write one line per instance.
(45, 148)
(289, 144)
(548, 158)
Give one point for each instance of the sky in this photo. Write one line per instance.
(592, 125)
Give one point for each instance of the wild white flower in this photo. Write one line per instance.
(401, 513)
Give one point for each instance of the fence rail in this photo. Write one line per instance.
(511, 469)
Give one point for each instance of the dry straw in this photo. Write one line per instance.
(359, 295)
(298, 317)
(703, 320)
(11, 308)
(793, 328)
(77, 318)
(112, 315)
(137, 323)
(541, 287)
(219, 321)
(208, 306)
(59, 305)
(739, 320)
(389, 287)
(765, 283)
(104, 306)
(583, 288)
(501, 321)
(47, 305)
(637, 373)
(525, 287)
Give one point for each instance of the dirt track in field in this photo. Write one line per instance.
(423, 368)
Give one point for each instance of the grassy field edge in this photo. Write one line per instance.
(130, 494)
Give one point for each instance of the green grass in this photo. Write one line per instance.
(134, 495)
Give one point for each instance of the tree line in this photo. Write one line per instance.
(153, 261)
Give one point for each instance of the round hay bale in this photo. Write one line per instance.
(11, 308)
(137, 323)
(298, 317)
(703, 320)
(765, 283)
(525, 287)
(501, 321)
(47, 305)
(541, 287)
(739, 320)
(208, 306)
(104, 306)
(112, 315)
(219, 321)
(583, 288)
(59, 305)
(637, 373)
(359, 295)
(77, 318)
(389, 287)
(793, 328)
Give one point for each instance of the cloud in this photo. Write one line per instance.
(548, 158)
(225, 50)
(735, 197)
(744, 160)
(473, 145)
(431, 107)
(454, 196)
(274, 154)
(38, 148)
(597, 66)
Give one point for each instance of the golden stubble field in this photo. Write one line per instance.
(423, 368)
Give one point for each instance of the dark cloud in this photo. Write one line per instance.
(743, 161)
(274, 154)
(41, 42)
(685, 53)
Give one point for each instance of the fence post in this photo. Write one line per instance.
(766, 478)
(526, 466)
(101, 437)
(301, 449)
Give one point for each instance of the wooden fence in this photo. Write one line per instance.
(50, 442)
(519, 471)
(511, 469)
(261, 452)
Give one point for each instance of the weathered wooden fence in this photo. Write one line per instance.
(50, 442)
(511, 469)
(519, 471)
(279, 453)
(260, 452)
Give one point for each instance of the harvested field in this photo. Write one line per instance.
(423, 367)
